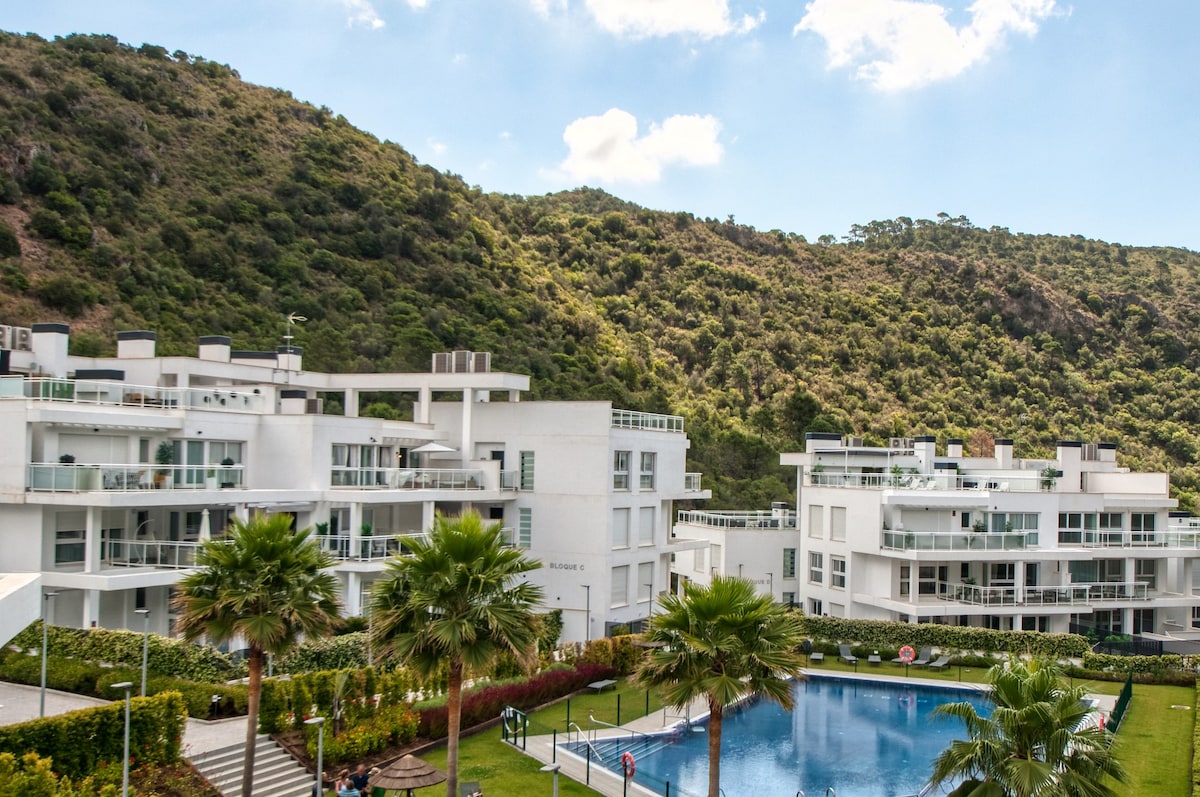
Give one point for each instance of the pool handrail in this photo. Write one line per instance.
(618, 727)
(586, 741)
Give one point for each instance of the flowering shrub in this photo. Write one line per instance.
(391, 725)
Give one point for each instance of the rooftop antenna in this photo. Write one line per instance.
(292, 320)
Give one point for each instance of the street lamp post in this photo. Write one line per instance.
(588, 628)
(128, 687)
(145, 613)
(46, 605)
(320, 723)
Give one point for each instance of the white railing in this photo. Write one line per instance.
(739, 520)
(629, 419)
(691, 482)
(510, 479)
(1173, 537)
(373, 548)
(1082, 594)
(903, 540)
(149, 553)
(87, 477)
(407, 478)
(95, 391)
(917, 481)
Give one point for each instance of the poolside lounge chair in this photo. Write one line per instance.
(470, 789)
(816, 657)
(941, 663)
(846, 655)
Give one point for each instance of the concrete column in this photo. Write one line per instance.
(351, 601)
(465, 444)
(91, 541)
(421, 408)
(427, 515)
(1127, 621)
(241, 512)
(1019, 581)
(350, 400)
(91, 608)
(356, 515)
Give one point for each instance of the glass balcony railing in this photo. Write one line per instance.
(78, 478)
(1064, 595)
(373, 548)
(691, 483)
(740, 520)
(148, 553)
(652, 421)
(958, 541)
(1181, 537)
(407, 478)
(917, 481)
(101, 392)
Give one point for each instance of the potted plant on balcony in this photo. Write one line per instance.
(227, 474)
(1047, 477)
(163, 455)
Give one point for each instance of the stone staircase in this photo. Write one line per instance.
(276, 774)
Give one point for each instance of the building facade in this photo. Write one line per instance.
(902, 533)
(117, 468)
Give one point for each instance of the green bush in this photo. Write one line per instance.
(167, 656)
(9, 245)
(886, 633)
(344, 652)
(389, 726)
(288, 702)
(80, 741)
(1124, 664)
(34, 775)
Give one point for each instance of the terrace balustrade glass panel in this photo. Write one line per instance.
(1062, 595)
(87, 477)
(959, 541)
(739, 520)
(407, 478)
(1002, 482)
(148, 553)
(102, 392)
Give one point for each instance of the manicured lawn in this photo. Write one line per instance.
(500, 769)
(1155, 742)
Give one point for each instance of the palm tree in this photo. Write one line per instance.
(265, 585)
(1035, 743)
(722, 642)
(455, 599)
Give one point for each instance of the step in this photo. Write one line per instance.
(276, 773)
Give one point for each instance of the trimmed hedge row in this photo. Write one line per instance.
(289, 701)
(617, 652)
(891, 634)
(80, 741)
(1155, 677)
(344, 652)
(486, 703)
(1135, 664)
(169, 656)
(86, 678)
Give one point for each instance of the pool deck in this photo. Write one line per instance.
(603, 781)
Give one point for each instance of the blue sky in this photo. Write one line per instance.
(1036, 115)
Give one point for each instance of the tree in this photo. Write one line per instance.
(721, 642)
(265, 585)
(457, 598)
(1035, 743)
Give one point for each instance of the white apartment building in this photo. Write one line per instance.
(903, 533)
(115, 469)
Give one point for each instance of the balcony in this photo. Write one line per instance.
(119, 394)
(374, 548)
(149, 553)
(775, 519)
(958, 541)
(1084, 594)
(407, 478)
(651, 421)
(1005, 482)
(63, 478)
(1176, 537)
(691, 483)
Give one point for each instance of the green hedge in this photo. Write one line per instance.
(886, 633)
(1124, 664)
(1156, 677)
(287, 702)
(618, 652)
(80, 741)
(168, 656)
(86, 678)
(345, 652)
(390, 726)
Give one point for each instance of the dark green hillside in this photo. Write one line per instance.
(141, 188)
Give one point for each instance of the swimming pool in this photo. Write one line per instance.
(863, 738)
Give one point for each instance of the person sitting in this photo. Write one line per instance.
(344, 786)
(360, 779)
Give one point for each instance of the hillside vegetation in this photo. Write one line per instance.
(146, 189)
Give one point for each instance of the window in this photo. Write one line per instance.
(621, 470)
(905, 580)
(1016, 521)
(524, 527)
(1143, 621)
(1111, 521)
(526, 463)
(1146, 572)
(1031, 574)
(646, 525)
(789, 562)
(649, 458)
(966, 520)
(837, 572)
(620, 528)
(645, 581)
(927, 580)
(700, 565)
(815, 567)
(837, 523)
(68, 547)
(139, 598)
(620, 585)
(815, 608)
(1141, 524)
(1196, 617)
(1002, 574)
(715, 561)
(816, 521)
(789, 598)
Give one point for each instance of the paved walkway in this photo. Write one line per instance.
(19, 703)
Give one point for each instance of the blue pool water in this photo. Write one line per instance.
(863, 738)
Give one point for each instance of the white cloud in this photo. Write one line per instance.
(459, 58)
(546, 7)
(362, 13)
(435, 146)
(607, 148)
(417, 3)
(902, 44)
(641, 19)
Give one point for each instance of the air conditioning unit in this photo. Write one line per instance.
(442, 363)
(901, 443)
(314, 406)
(1091, 452)
(854, 442)
(462, 362)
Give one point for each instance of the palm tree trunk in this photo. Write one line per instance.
(254, 692)
(715, 710)
(453, 725)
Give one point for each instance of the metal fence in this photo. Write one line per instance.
(1118, 712)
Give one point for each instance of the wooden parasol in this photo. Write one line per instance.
(407, 774)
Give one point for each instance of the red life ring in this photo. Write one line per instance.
(907, 654)
(627, 764)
